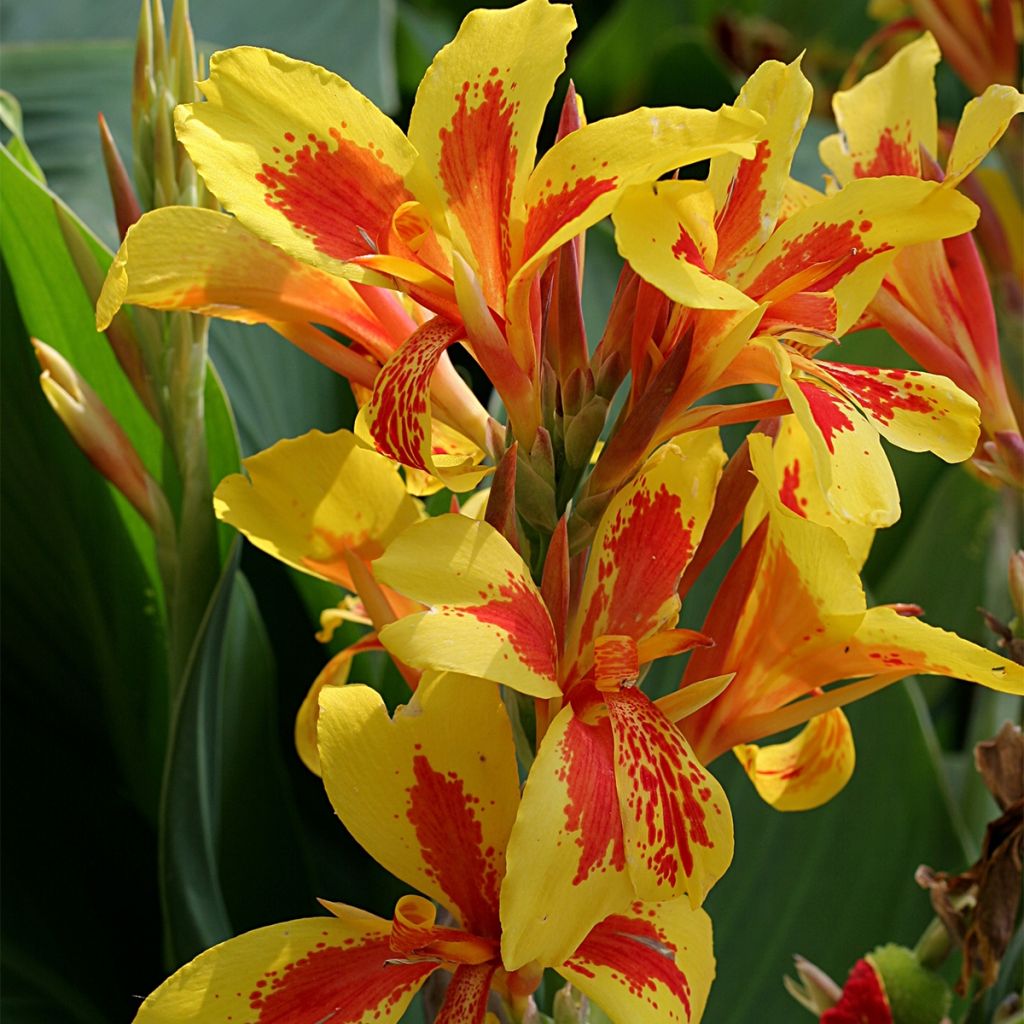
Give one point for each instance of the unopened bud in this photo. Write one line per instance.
(1017, 587)
(583, 431)
(814, 990)
(98, 434)
(542, 456)
(535, 496)
(569, 1006)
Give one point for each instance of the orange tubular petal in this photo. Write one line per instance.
(465, 1002)
(475, 122)
(652, 964)
(320, 968)
(566, 858)
(644, 542)
(431, 793)
(675, 816)
(808, 770)
(297, 154)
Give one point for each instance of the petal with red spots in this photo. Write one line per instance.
(298, 155)
(566, 858)
(917, 411)
(652, 964)
(324, 968)
(398, 415)
(465, 1002)
(675, 816)
(644, 542)
(430, 793)
(486, 617)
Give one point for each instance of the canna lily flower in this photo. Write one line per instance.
(456, 214)
(432, 794)
(742, 260)
(793, 618)
(935, 300)
(616, 807)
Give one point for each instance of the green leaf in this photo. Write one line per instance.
(832, 883)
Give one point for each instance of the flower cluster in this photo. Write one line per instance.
(558, 815)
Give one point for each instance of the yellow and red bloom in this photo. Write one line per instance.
(433, 795)
(792, 618)
(935, 299)
(616, 806)
(742, 258)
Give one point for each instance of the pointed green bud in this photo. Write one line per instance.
(584, 430)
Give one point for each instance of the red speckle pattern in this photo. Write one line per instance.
(451, 840)
(592, 816)
(517, 610)
(828, 411)
(667, 794)
(331, 192)
(881, 393)
(836, 249)
(477, 167)
(343, 984)
(640, 957)
(552, 212)
(739, 221)
(789, 490)
(641, 555)
(397, 411)
(465, 1002)
(863, 1001)
(685, 249)
(890, 157)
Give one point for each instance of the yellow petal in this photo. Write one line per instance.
(566, 858)
(432, 793)
(644, 541)
(887, 117)
(838, 241)
(206, 262)
(312, 969)
(334, 673)
(848, 458)
(297, 154)
(308, 500)
(806, 771)
(982, 125)
(787, 470)
(652, 964)
(398, 415)
(666, 231)
(749, 193)
(917, 411)
(675, 817)
(486, 617)
(475, 122)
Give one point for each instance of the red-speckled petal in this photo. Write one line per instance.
(644, 542)
(475, 123)
(432, 793)
(806, 771)
(917, 411)
(566, 858)
(398, 414)
(651, 965)
(298, 155)
(486, 616)
(675, 816)
(465, 1002)
(314, 969)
